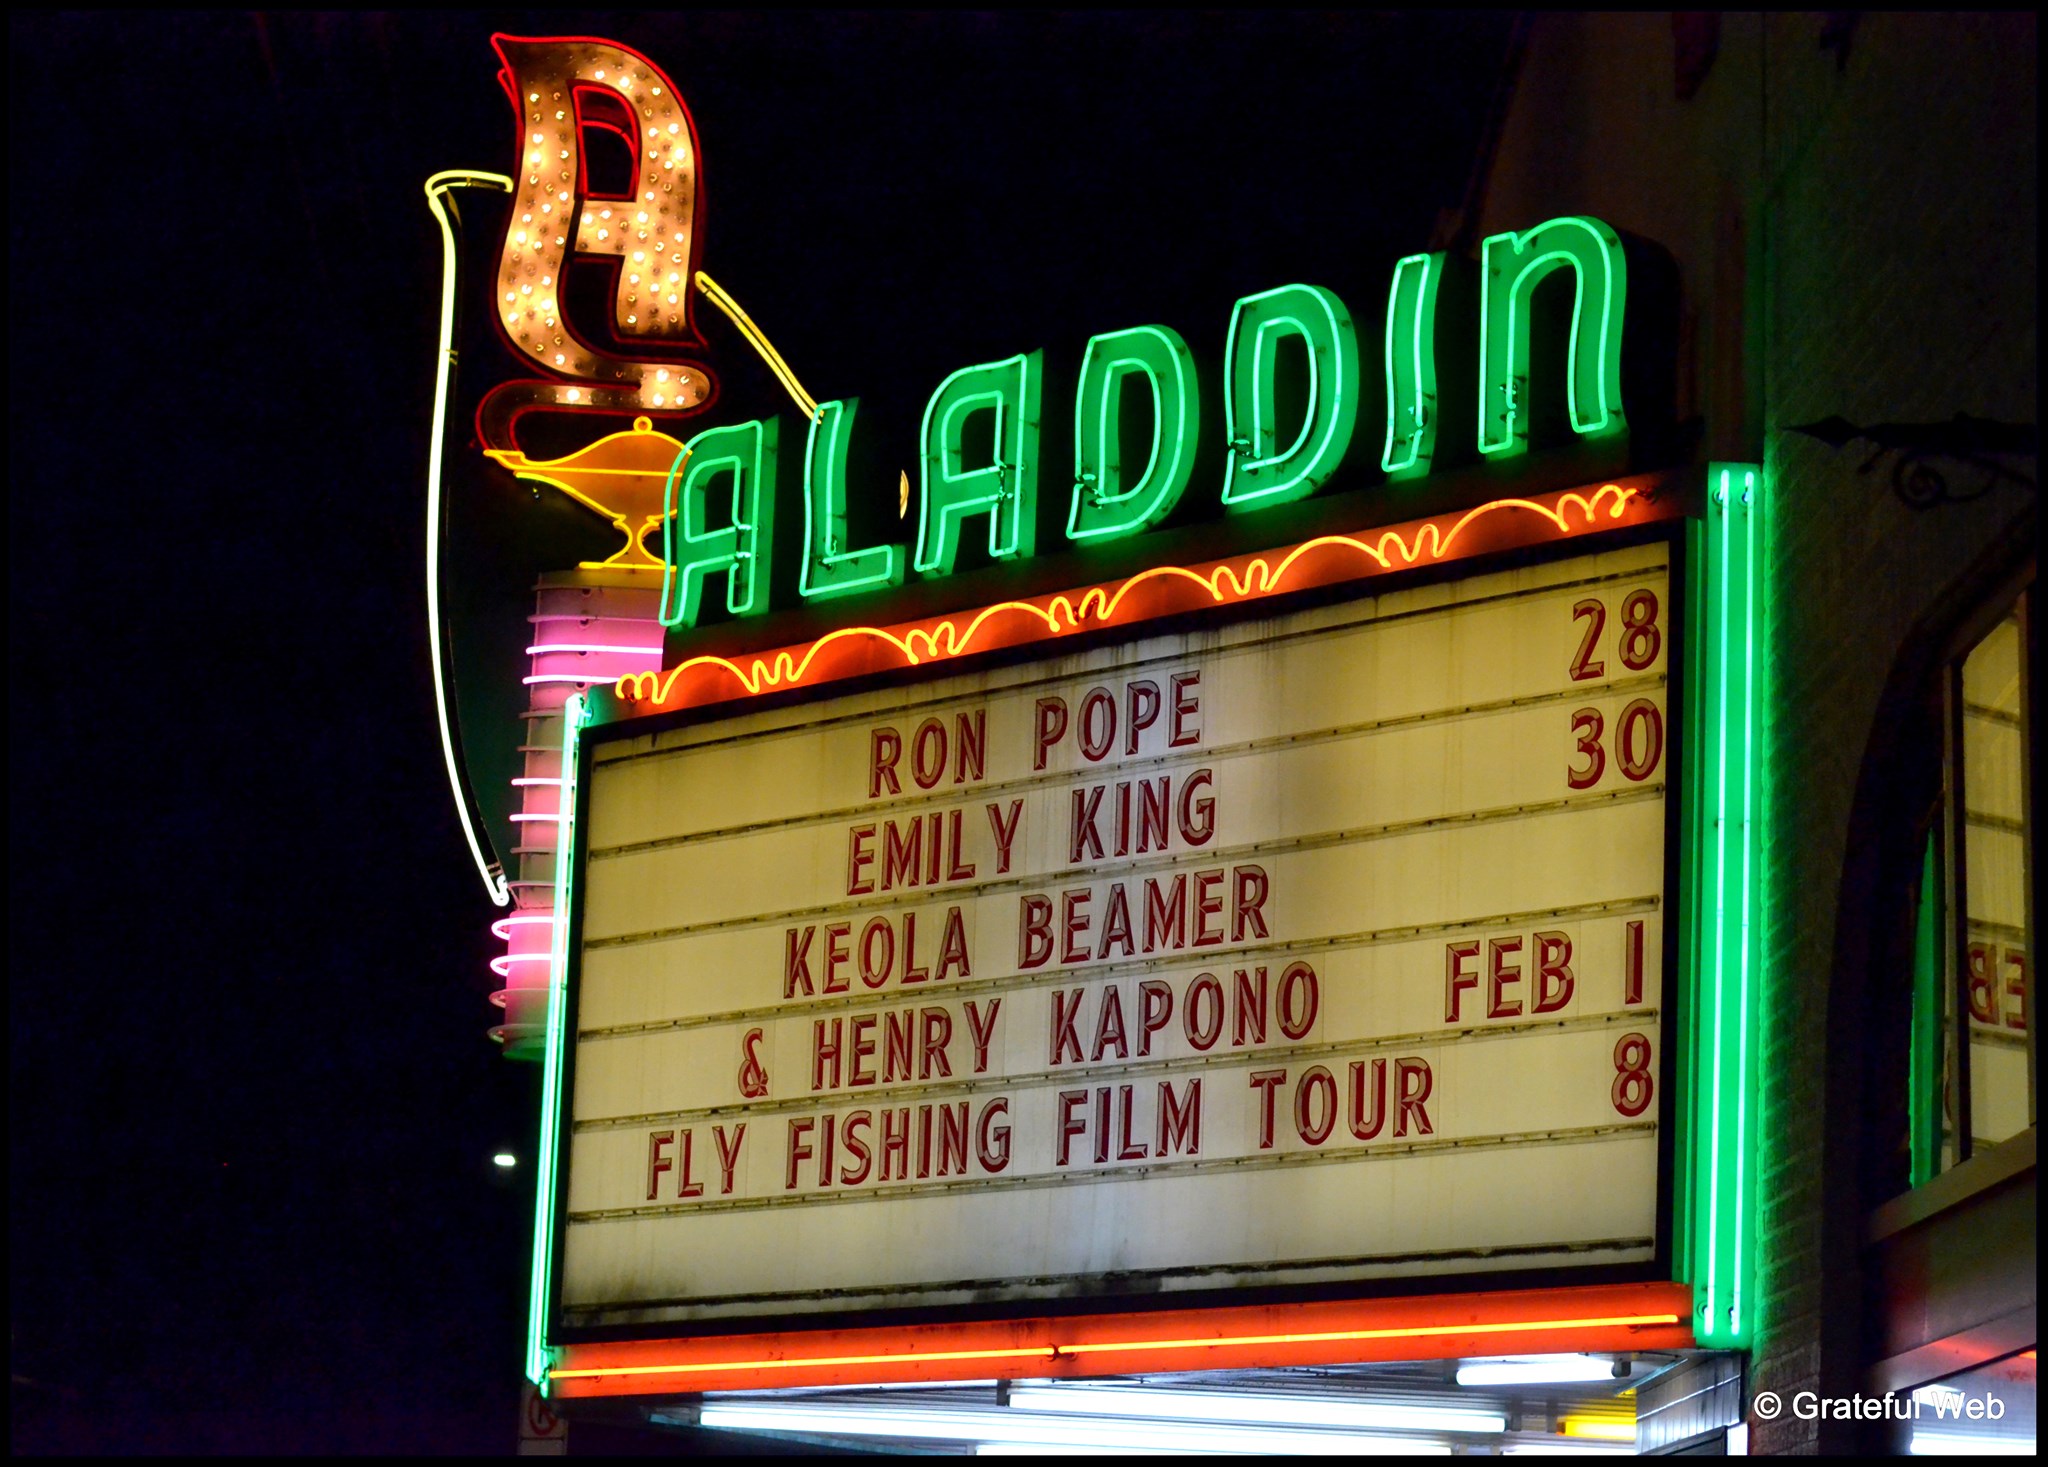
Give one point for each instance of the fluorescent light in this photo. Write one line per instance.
(1023, 1428)
(1597, 1430)
(1535, 1370)
(1963, 1444)
(1296, 1411)
(801, 1393)
(1939, 1397)
(505, 1158)
(1566, 1449)
(1031, 1449)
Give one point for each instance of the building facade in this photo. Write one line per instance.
(1850, 201)
(1829, 223)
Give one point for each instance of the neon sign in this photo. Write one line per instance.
(1261, 471)
(1292, 387)
(1153, 592)
(563, 90)
(1282, 439)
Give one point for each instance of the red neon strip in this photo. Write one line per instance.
(1623, 1316)
(1159, 591)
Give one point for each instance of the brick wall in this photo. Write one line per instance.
(1898, 222)
(1854, 228)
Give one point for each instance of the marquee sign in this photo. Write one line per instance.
(1318, 947)
(1368, 913)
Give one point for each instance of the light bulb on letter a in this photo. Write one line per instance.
(566, 93)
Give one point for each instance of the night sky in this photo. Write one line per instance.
(252, 1204)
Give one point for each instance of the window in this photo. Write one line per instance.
(1971, 1022)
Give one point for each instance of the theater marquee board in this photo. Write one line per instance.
(1321, 946)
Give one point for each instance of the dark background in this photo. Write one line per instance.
(252, 1205)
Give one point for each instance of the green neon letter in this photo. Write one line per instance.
(690, 550)
(1259, 472)
(1103, 508)
(829, 568)
(1411, 367)
(1510, 267)
(1007, 490)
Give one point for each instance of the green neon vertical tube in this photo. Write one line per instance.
(1714, 926)
(538, 1357)
(1748, 925)
(1722, 907)
(1691, 847)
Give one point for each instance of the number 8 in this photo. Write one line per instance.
(1633, 1086)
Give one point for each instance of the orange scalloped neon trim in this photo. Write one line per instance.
(1098, 605)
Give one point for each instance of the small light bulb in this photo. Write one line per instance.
(505, 1159)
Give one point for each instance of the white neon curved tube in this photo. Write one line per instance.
(494, 878)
